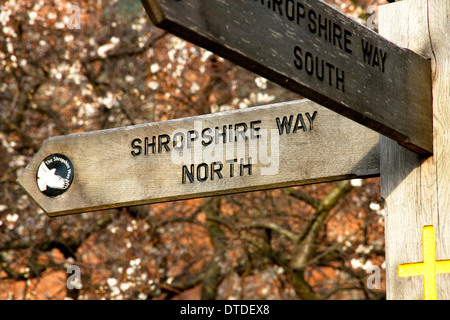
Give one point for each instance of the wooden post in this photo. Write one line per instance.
(417, 188)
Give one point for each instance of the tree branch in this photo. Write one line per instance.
(271, 226)
(313, 202)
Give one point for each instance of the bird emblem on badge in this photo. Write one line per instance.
(55, 175)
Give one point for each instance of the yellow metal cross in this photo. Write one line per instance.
(429, 267)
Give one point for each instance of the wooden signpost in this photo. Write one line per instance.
(313, 49)
(272, 146)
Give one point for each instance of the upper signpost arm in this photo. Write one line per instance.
(314, 50)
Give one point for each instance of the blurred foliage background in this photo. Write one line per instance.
(323, 241)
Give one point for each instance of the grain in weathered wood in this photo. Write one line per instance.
(417, 189)
(315, 50)
(112, 169)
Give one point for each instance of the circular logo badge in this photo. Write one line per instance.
(55, 175)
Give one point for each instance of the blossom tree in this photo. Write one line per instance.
(89, 65)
